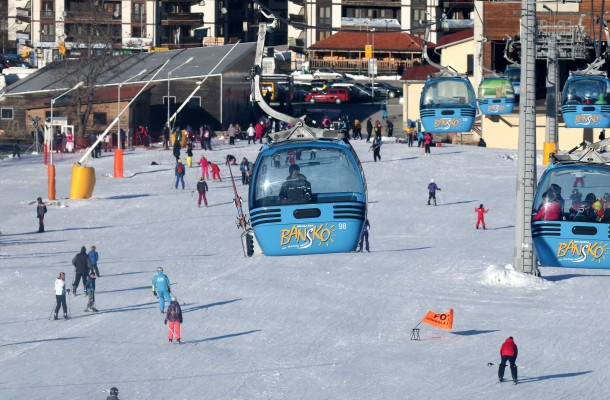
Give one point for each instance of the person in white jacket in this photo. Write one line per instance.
(60, 294)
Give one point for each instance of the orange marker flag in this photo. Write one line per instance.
(442, 321)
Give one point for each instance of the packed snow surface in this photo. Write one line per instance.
(310, 327)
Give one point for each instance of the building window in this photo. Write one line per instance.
(138, 32)
(99, 119)
(470, 64)
(6, 113)
(172, 100)
(47, 115)
(47, 33)
(194, 102)
(47, 9)
(325, 20)
(139, 11)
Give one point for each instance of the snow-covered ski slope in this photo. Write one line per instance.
(311, 327)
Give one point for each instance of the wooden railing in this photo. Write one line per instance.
(361, 66)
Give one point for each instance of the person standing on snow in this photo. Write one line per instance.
(204, 167)
(177, 148)
(91, 293)
(82, 265)
(377, 148)
(179, 172)
(481, 211)
(432, 188)
(60, 294)
(94, 258)
(369, 130)
(41, 210)
(243, 168)
(174, 316)
(114, 394)
(161, 288)
(189, 154)
(364, 236)
(202, 187)
(215, 172)
(251, 133)
(508, 352)
(427, 142)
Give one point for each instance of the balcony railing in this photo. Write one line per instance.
(138, 17)
(181, 18)
(361, 66)
(47, 38)
(22, 14)
(88, 15)
(184, 42)
(47, 14)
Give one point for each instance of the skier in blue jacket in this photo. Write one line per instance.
(161, 288)
(94, 258)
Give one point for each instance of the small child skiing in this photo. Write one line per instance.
(91, 293)
(481, 211)
(432, 188)
(174, 316)
(202, 187)
(41, 210)
(94, 258)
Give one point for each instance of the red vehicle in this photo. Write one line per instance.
(330, 95)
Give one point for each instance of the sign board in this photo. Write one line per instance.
(373, 66)
(368, 51)
(268, 66)
(155, 49)
(213, 41)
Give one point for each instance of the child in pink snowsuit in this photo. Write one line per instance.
(204, 167)
(215, 171)
(481, 211)
(174, 316)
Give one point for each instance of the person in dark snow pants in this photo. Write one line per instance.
(377, 148)
(174, 316)
(432, 188)
(202, 187)
(60, 294)
(161, 288)
(91, 293)
(481, 211)
(94, 258)
(82, 266)
(41, 210)
(364, 236)
(176, 150)
(508, 352)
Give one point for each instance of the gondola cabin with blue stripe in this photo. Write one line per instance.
(447, 105)
(513, 73)
(496, 96)
(307, 197)
(584, 101)
(571, 216)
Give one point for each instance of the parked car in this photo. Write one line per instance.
(300, 91)
(358, 92)
(383, 89)
(330, 95)
(327, 73)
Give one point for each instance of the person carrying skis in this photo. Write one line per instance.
(82, 265)
(60, 294)
(161, 288)
(364, 236)
(508, 352)
(174, 316)
(91, 293)
(215, 172)
(41, 210)
(432, 188)
(376, 148)
(204, 167)
(481, 211)
(202, 187)
(94, 257)
(180, 171)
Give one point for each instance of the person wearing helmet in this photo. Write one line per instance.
(296, 189)
(550, 210)
(180, 171)
(202, 187)
(161, 288)
(60, 294)
(576, 198)
(481, 211)
(174, 316)
(41, 210)
(114, 393)
(432, 188)
(91, 293)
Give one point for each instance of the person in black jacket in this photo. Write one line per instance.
(369, 130)
(41, 210)
(177, 149)
(82, 266)
(114, 394)
(202, 187)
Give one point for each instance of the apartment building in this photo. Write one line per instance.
(320, 17)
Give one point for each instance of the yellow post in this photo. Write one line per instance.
(549, 147)
(83, 182)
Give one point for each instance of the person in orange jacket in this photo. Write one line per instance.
(481, 211)
(508, 352)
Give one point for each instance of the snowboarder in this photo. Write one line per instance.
(82, 265)
(174, 316)
(94, 257)
(364, 236)
(432, 188)
(215, 172)
(60, 294)
(180, 171)
(202, 187)
(114, 393)
(204, 167)
(161, 288)
(41, 210)
(376, 148)
(481, 211)
(508, 352)
(91, 293)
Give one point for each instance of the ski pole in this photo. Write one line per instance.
(52, 310)
(490, 364)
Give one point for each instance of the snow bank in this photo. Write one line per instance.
(508, 277)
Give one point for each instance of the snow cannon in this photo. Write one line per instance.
(83, 182)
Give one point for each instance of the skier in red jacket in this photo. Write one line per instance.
(481, 211)
(508, 352)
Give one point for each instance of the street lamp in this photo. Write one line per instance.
(168, 77)
(118, 105)
(51, 166)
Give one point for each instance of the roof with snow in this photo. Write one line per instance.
(384, 41)
(455, 38)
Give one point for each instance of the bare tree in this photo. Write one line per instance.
(90, 30)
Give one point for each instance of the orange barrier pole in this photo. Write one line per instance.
(51, 170)
(118, 163)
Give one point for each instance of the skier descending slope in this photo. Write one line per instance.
(508, 352)
(432, 188)
(174, 316)
(161, 288)
(60, 294)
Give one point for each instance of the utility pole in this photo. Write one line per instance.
(525, 257)
(551, 138)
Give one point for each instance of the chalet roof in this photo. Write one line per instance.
(418, 72)
(52, 76)
(384, 41)
(455, 37)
